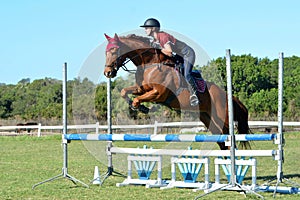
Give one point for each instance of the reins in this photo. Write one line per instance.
(132, 71)
(123, 66)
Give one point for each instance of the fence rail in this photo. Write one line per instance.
(155, 126)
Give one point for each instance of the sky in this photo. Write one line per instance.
(38, 36)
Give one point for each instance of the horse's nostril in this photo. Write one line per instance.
(107, 74)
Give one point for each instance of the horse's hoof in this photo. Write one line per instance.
(143, 109)
(133, 108)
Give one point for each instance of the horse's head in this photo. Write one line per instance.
(135, 48)
(114, 56)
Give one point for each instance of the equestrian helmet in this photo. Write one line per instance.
(151, 22)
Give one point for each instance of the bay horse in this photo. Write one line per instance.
(158, 81)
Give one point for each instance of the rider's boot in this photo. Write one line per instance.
(194, 101)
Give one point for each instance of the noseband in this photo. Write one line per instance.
(115, 65)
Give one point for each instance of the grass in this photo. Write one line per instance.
(26, 160)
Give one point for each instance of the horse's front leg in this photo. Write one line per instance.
(153, 95)
(135, 90)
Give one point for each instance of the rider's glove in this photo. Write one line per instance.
(155, 45)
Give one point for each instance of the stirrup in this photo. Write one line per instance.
(194, 101)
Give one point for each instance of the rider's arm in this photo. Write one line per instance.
(167, 49)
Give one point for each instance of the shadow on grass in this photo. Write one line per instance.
(265, 178)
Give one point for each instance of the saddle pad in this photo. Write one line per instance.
(196, 75)
(201, 84)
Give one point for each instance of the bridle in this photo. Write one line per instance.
(122, 60)
(115, 65)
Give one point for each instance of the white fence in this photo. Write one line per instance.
(192, 125)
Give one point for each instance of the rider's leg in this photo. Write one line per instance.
(189, 59)
(194, 101)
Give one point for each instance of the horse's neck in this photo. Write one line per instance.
(141, 53)
(132, 48)
(134, 44)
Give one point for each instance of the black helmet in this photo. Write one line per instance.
(151, 22)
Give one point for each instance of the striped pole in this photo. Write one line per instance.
(169, 137)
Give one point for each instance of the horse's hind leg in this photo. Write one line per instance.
(212, 127)
(241, 116)
(223, 146)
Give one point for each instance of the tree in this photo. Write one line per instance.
(83, 103)
(7, 97)
(254, 81)
(101, 102)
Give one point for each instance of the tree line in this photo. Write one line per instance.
(255, 83)
(254, 80)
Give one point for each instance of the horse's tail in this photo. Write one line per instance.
(241, 116)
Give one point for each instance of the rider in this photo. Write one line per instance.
(169, 45)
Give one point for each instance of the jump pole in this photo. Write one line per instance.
(64, 173)
(230, 116)
(233, 182)
(280, 122)
(280, 138)
(233, 185)
(110, 168)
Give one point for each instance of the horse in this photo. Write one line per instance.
(157, 80)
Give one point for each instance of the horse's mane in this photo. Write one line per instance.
(137, 37)
(146, 41)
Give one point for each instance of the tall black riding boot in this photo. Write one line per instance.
(194, 101)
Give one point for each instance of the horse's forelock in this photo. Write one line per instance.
(112, 43)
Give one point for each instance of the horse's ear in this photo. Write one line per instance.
(116, 37)
(107, 37)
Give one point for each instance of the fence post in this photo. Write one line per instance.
(97, 127)
(39, 130)
(155, 128)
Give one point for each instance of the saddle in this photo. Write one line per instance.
(177, 63)
(200, 84)
(196, 76)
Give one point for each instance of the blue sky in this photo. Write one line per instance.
(37, 37)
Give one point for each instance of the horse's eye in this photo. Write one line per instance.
(114, 50)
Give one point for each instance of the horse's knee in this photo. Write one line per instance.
(137, 91)
(135, 102)
(123, 93)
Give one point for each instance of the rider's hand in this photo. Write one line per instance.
(167, 52)
(155, 45)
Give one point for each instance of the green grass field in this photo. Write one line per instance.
(26, 160)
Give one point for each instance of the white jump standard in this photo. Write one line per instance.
(144, 165)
